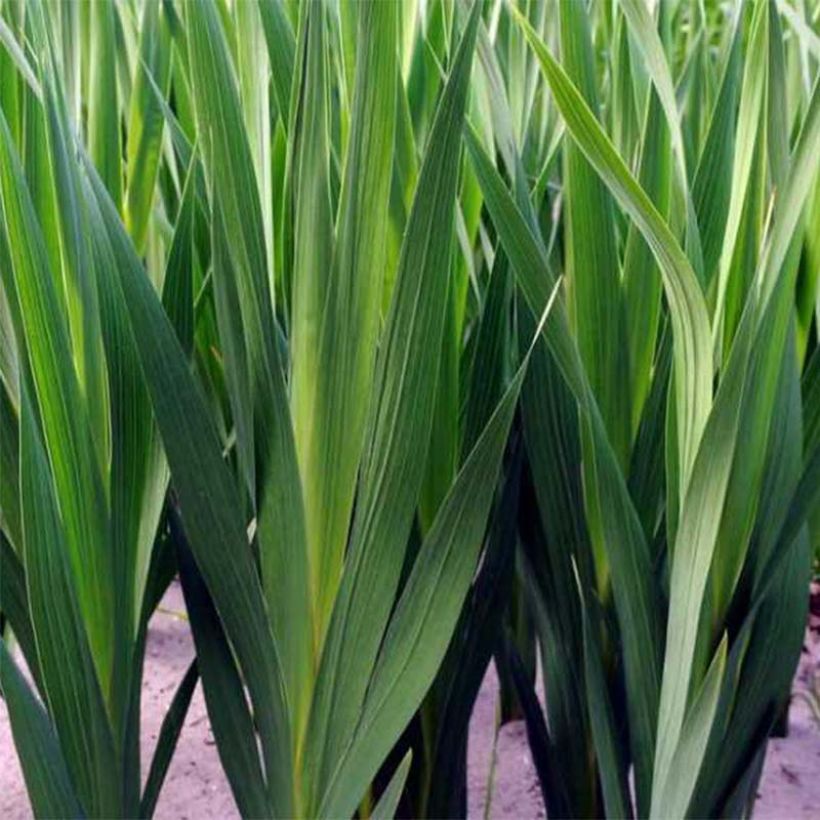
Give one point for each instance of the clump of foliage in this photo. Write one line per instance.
(406, 335)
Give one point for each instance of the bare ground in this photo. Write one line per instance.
(196, 787)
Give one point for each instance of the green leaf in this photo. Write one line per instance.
(641, 280)
(646, 38)
(693, 551)
(311, 213)
(278, 493)
(396, 442)
(18, 57)
(253, 73)
(627, 552)
(429, 606)
(44, 768)
(281, 51)
(233, 349)
(15, 606)
(63, 413)
(146, 120)
(334, 423)
(72, 688)
(442, 454)
(542, 748)
(749, 122)
(9, 354)
(313, 241)
(385, 809)
(209, 502)
(228, 711)
(177, 283)
(671, 799)
(131, 533)
(553, 533)
(79, 282)
(690, 321)
(103, 110)
(726, 479)
(773, 627)
(9, 469)
(612, 766)
(487, 372)
(471, 648)
(593, 277)
(168, 737)
(711, 189)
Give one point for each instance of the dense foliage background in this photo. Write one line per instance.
(409, 335)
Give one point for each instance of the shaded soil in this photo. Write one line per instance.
(196, 787)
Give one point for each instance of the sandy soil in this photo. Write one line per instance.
(196, 788)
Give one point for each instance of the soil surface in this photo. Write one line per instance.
(196, 787)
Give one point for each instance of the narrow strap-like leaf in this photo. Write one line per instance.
(66, 424)
(228, 710)
(749, 122)
(334, 425)
(672, 799)
(209, 502)
(647, 40)
(15, 606)
(385, 809)
(429, 606)
(313, 243)
(541, 746)
(487, 370)
(277, 490)
(104, 110)
(471, 649)
(711, 188)
(131, 466)
(44, 768)
(69, 677)
(80, 283)
(628, 554)
(146, 121)
(690, 321)
(641, 279)
(18, 57)
(709, 515)
(592, 270)
(168, 737)
(397, 438)
(612, 764)
(9, 468)
(177, 283)
(281, 51)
